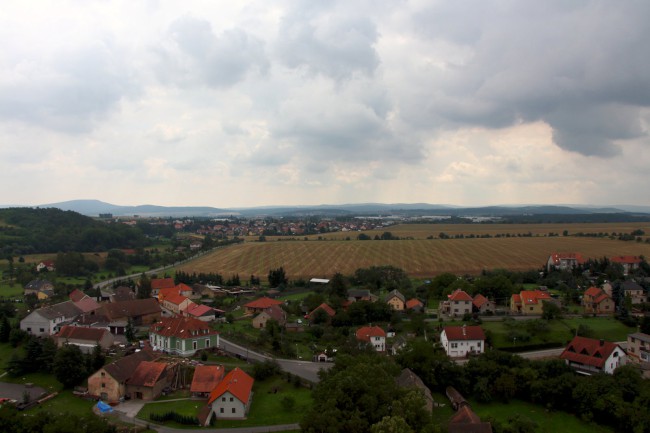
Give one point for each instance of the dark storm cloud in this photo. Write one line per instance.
(194, 53)
(69, 90)
(582, 67)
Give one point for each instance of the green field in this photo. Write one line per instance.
(559, 331)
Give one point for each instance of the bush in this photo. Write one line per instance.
(174, 416)
(288, 403)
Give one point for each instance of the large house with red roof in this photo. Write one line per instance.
(259, 305)
(529, 302)
(148, 380)
(182, 336)
(109, 382)
(374, 336)
(596, 301)
(564, 261)
(482, 305)
(629, 263)
(232, 398)
(161, 283)
(175, 303)
(590, 356)
(459, 341)
(457, 304)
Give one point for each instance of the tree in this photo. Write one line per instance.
(129, 332)
(550, 311)
(5, 329)
(391, 424)
(97, 359)
(70, 366)
(143, 287)
(277, 277)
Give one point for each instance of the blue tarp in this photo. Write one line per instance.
(103, 407)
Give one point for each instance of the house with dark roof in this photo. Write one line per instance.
(148, 380)
(182, 336)
(232, 398)
(87, 305)
(356, 295)
(465, 419)
(259, 305)
(564, 261)
(48, 320)
(274, 312)
(140, 311)
(396, 300)
(109, 382)
(408, 379)
(596, 301)
(590, 356)
(43, 289)
(460, 341)
(374, 336)
(634, 291)
(458, 303)
(121, 294)
(84, 338)
(205, 380)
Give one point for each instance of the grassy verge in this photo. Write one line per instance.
(546, 421)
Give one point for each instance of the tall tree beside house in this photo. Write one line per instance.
(338, 287)
(5, 329)
(70, 366)
(97, 358)
(129, 332)
(277, 277)
(143, 287)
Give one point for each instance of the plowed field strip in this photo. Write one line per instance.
(419, 258)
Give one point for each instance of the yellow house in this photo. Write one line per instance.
(529, 302)
(396, 300)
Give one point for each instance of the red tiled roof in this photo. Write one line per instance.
(162, 283)
(365, 333)
(181, 327)
(206, 378)
(147, 373)
(459, 295)
(479, 300)
(414, 303)
(87, 304)
(593, 291)
(198, 310)
(121, 369)
(516, 298)
(603, 296)
(175, 299)
(326, 308)
(530, 297)
(588, 351)
(455, 333)
(77, 295)
(82, 333)
(237, 382)
(262, 303)
(630, 260)
(182, 287)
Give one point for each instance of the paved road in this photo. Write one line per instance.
(305, 369)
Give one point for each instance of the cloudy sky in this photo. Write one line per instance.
(268, 102)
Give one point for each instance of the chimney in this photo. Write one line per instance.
(602, 342)
(464, 330)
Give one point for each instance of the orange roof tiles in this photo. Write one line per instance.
(365, 333)
(326, 308)
(532, 297)
(414, 303)
(630, 260)
(162, 283)
(262, 303)
(206, 378)
(479, 300)
(593, 291)
(238, 383)
(459, 295)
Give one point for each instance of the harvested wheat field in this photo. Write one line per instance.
(419, 258)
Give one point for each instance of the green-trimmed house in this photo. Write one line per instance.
(182, 336)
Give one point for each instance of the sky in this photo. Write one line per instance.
(241, 104)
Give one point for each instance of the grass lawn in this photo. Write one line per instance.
(45, 381)
(296, 296)
(547, 422)
(560, 331)
(266, 408)
(10, 291)
(66, 402)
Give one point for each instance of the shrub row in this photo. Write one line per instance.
(174, 416)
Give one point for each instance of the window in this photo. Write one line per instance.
(231, 399)
(207, 342)
(194, 344)
(478, 344)
(234, 410)
(42, 329)
(531, 308)
(454, 345)
(223, 398)
(29, 329)
(103, 374)
(221, 410)
(103, 385)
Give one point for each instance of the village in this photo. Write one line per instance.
(161, 344)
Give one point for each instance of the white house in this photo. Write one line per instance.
(48, 320)
(232, 398)
(459, 341)
(590, 356)
(373, 335)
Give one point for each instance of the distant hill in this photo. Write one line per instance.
(96, 207)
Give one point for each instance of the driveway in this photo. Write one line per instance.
(129, 408)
